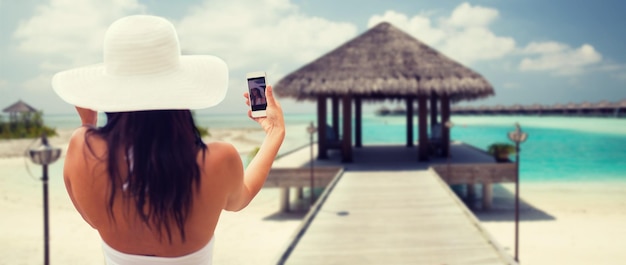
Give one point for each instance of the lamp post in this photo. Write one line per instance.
(311, 130)
(517, 136)
(448, 125)
(45, 155)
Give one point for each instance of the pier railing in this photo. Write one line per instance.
(484, 174)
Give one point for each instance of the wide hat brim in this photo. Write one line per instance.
(200, 81)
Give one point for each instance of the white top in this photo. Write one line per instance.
(202, 256)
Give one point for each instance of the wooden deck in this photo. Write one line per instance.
(388, 208)
(399, 217)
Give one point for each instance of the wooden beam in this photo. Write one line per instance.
(321, 128)
(335, 113)
(476, 173)
(300, 177)
(358, 117)
(445, 131)
(434, 112)
(409, 121)
(487, 195)
(346, 146)
(284, 200)
(422, 124)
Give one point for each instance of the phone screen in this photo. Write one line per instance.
(256, 87)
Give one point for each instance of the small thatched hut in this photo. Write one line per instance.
(536, 109)
(18, 107)
(384, 63)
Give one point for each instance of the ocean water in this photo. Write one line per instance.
(557, 149)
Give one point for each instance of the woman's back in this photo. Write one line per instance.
(126, 232)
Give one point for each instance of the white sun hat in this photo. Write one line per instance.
(143, 69)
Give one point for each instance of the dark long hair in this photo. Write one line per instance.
(152, 159)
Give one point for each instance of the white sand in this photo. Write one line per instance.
(562, 223)
(256, 235)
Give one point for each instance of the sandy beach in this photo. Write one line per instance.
(255, 235)
(561, 223)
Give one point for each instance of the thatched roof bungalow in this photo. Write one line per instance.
(381, 64)
(535, 109)
(18, 107)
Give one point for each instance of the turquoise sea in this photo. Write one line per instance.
(558, 148)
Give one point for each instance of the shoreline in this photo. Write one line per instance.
(244, 140)
(562, 222)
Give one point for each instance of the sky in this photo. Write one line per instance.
(531, 51)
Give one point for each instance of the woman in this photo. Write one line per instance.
(257, 98)
(145, 181)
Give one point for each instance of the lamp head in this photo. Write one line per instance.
(311, 129)
(449, 124)
(44, 154)
(518, 136)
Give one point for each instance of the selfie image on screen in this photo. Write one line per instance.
(257, 93)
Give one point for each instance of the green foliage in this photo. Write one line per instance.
(501, 151)
(24, 125)
(500, 148)
(204, 131)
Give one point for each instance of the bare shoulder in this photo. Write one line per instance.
(223, 162)
(80, 142)
(222, 152)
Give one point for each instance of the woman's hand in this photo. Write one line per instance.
(274, 121)
(88, 117)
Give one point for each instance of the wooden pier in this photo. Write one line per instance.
(394, 213)
(585, 109)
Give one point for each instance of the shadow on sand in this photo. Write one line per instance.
(503, 206)
(298, 208)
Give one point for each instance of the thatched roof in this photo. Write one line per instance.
(536, 106)
(604, 105)
(384, 62)
(19, 106)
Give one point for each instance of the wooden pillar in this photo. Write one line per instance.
(299, 193)
(471, 192)
(409, 121)
(358, 118)
(335, 112)
(487, 195)
(434, 112)
(346, 141)
(445, 131)
(422, 122)
(321, 128)
(284, 200)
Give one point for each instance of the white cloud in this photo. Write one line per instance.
(467, 16)
(41, 83)
(260, 34)
(477, 44)
(559, 58)
(464, 35)
(69, 33)
(419, 26)
(544, 47)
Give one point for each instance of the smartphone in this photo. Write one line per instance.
(256, 88)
